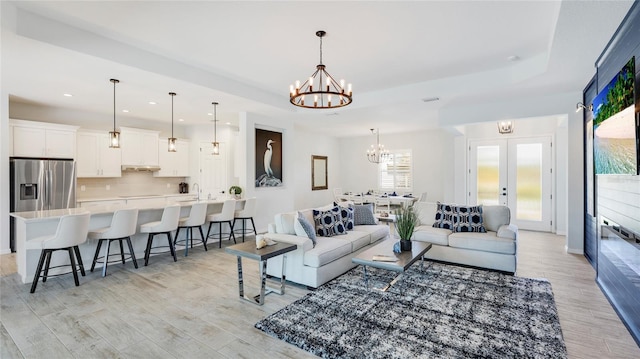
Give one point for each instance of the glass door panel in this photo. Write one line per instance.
(529, 181)
(488, 175)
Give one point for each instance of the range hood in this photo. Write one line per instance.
(140, 168)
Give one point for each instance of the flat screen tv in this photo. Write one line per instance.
(614, 125)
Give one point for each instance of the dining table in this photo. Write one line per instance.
(404, 201)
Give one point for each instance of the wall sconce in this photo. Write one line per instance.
(580, 106)
(505, 127)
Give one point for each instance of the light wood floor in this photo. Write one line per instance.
(190, 309)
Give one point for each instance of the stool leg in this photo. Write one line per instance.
(147, 251)
(209, 230)
(173, 250)
(46, 265)
(204, 240)
(254, 226)
(220, 234)
(95, 256)
(133, 255)
(121, 250)
(73, 266)
(244, 224)
(191, 236)
(176, 239)
(231, 233)
(79, 258)
(36, 277)
(106, 258)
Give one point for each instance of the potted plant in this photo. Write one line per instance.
(235, 191)
(406, 222)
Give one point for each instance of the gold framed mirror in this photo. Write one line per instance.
(319, 173)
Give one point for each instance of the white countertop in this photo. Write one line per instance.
(35, 216)
(115, 198)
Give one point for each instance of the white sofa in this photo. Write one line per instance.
(331, 257)
(496, 249)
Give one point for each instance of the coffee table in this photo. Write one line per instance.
(248, 250)
(403, 261)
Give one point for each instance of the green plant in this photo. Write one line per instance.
(235, 189)
(406, 222)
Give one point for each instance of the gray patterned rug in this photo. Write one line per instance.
(444, 311)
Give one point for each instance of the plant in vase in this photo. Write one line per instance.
(406, 222)
(235, 191)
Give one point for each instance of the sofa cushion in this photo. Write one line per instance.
(357, 239)
(432, 235)
(495, 216)
(363, 214)
(486, 242)
(426, 212)
(304, 228)
(284, 222)
(376, 232)
(446, 216)
(327, 250)
(329, 223)
(469, 219)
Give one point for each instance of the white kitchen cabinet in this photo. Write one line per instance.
(39, 139)
(139, 147)
(95, 157)
(173, 164)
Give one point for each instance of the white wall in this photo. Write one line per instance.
(308, 144)
(433, 162)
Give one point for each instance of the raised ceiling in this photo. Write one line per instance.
(245, 54)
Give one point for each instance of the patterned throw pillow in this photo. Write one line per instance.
(304, 228)
(329, 223)
(347, 214)
(446, 216)
(469, 219)
(363, 214)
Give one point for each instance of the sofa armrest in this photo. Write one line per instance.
(508, 231)
(271, 228)
(303, 243)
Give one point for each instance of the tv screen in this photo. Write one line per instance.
(614, 125)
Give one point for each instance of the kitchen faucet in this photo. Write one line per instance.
(195, 185)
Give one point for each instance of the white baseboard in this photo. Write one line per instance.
(5, 251)
(561, 233)
(574, 250)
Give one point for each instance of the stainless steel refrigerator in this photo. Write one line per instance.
(41, 184)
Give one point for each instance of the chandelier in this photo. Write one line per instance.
(321, 90)
(377, 153)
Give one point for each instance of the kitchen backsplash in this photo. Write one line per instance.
(130, 184)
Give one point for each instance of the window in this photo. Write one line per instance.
(397, 173)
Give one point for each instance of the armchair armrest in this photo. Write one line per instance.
(508, 231)
(304, 244)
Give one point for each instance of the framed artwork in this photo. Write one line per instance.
(318, 173)
(268, 158)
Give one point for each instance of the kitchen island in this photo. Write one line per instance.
(33, 224)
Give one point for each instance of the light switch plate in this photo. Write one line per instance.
(108, 187)
(82, 188)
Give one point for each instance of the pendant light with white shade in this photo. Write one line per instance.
(215, 143)
(114, 136)
(172, 140)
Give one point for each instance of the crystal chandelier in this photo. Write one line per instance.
(327, 93)
(377, 153)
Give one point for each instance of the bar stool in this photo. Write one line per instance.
(245, 214)
(196, 218)
(123, 226)
(72, 231)
(168, 223)
(226, 216)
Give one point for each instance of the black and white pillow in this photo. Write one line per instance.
(363, 214)
(347, 214)
(446, 216)
(469, 219)
(329, 223)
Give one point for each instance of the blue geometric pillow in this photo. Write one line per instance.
(446, 216)
(363, 214)
(347, 214)
(469, 219)
(329, 223)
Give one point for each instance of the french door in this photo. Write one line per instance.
(515, 173)
(213, 170)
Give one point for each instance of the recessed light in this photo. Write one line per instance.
(430, 99)
(228, 123)
(151, 103)
(125, 110)
(513, 58)
(67, 95)
(209, 114)
(181, 119)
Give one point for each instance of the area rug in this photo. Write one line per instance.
(436, 311)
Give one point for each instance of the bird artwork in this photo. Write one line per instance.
(268, 147)
(267, 159)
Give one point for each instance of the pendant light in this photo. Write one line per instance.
(114, 136)
(215, 143)
(172, 140)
